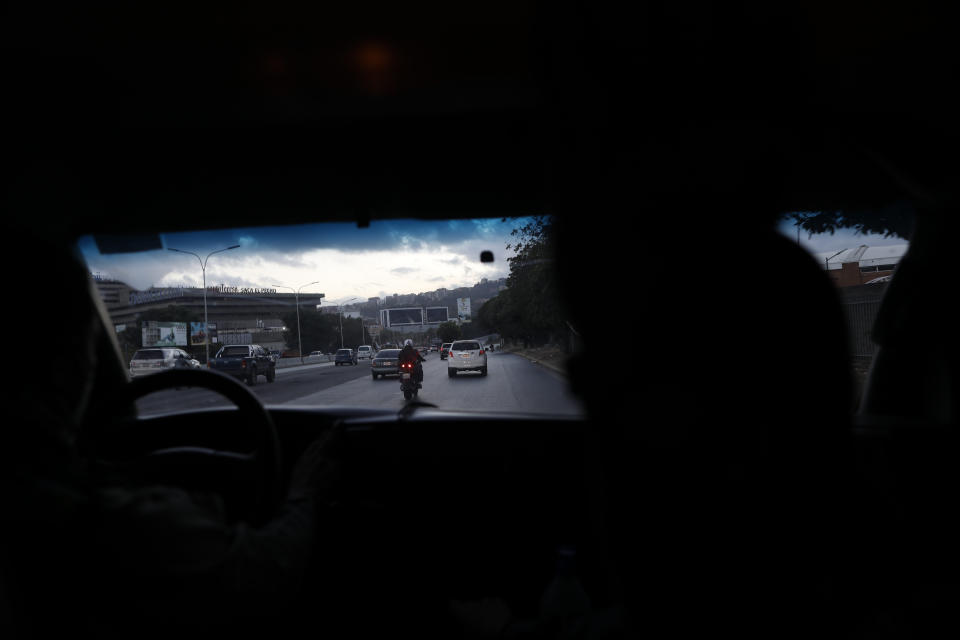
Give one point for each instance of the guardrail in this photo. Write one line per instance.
(283, 363)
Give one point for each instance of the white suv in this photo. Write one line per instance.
(466, 355)
(364, 351)
(146, 361)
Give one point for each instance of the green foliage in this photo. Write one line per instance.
(529, 309)
(448, 331)
(318, 331)
(321, 331)
(129, 340)
(891, 221)
(353, 333)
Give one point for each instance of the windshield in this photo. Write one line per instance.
(149, 354)
(229, 352)
(860, 261)
(336, 288)
(389, 353)
(464, 346)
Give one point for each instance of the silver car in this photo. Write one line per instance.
(466, 355)
(364, 352)
(386, 362)
(152, 360)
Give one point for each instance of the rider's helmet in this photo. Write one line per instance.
(408, 342)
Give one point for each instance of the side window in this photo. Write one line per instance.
(860, 262)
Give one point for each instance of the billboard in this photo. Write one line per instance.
(199, 335)
(164, 334)
(463, 309)
(436, 315)
(407, 316)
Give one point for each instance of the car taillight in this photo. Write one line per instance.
(243, 364)
(481, 352)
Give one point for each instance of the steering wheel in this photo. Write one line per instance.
(264, 462)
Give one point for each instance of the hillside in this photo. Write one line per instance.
(478, 294)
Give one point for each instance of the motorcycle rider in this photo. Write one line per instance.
(410, 354)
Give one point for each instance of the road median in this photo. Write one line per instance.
(284, 363)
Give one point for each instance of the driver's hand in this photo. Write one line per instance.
(318, 468)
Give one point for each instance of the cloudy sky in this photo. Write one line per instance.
(390, 256)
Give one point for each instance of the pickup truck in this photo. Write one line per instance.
(245, 361)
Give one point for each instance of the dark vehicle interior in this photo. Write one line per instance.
(732, 479)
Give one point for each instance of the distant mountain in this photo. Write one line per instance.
(478, 294)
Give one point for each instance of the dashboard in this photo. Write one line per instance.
(482, 501)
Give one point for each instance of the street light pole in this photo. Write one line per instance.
(203, 269)
(826, 262)
(296, 294)
(340, 309)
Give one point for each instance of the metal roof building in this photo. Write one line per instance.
(863, 264)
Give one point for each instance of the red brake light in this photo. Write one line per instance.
(481, 351)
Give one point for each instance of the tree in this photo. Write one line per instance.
(318, 331)
(448, 331)
(129, 340)
(891, 221)
(352, 330)
(531, 309)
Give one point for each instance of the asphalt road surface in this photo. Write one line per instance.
(512, 384)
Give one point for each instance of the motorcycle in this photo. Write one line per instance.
(408, 380)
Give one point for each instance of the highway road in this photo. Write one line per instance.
(512, 384)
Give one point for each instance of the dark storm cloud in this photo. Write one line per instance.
(380, 235)
(262, 249)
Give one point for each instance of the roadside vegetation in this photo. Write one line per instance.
(528, 314)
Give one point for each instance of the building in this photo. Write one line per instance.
(113, 292)
(240, 315)
(863, 264)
